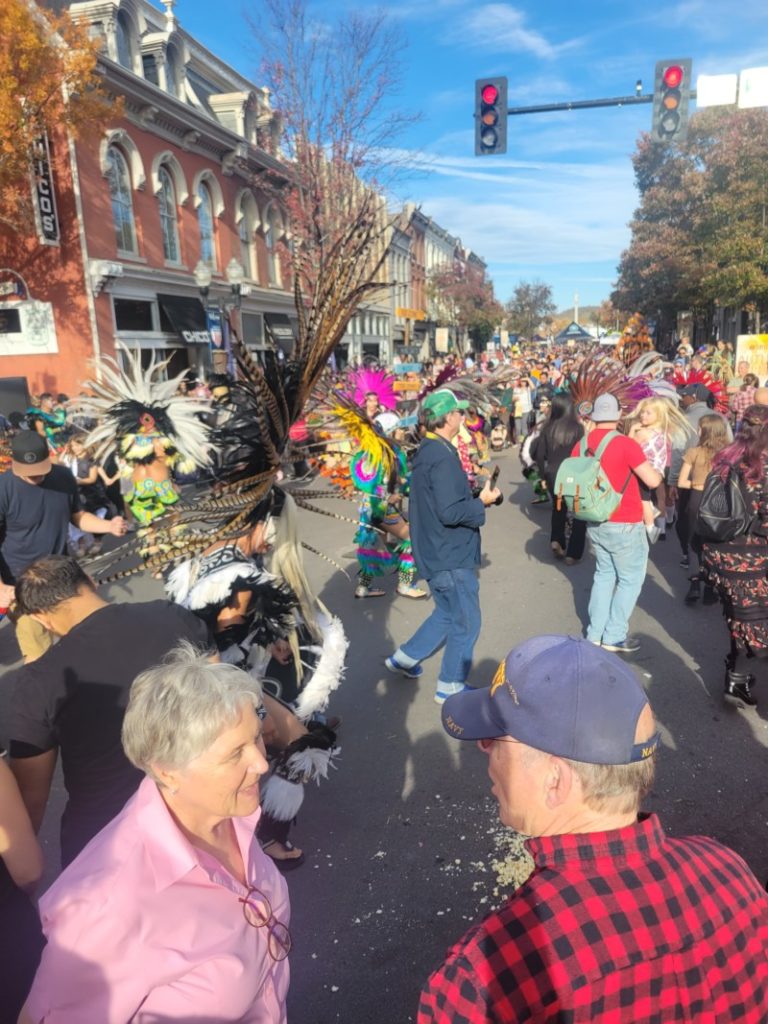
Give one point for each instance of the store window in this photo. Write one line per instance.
(133, 315)
(119, 180)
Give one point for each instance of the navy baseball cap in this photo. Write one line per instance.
(560, 694)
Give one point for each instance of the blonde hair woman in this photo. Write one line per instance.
(656, 424)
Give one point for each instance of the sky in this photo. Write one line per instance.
(557, 206)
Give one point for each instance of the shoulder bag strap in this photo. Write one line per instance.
(601, 448)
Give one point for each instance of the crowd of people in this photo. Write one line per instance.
(188, 728)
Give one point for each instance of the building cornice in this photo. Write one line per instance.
(154, 110)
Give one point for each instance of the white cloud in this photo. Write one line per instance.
(502, 28)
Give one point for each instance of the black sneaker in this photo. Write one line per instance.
(628, 646)
(685, 562)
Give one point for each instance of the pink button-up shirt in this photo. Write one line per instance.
(142, 927)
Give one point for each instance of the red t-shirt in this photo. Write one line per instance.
(622, 455)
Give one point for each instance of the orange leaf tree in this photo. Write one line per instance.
(48, 81)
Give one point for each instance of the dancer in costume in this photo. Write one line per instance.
(382, 494)
(259, 621)
(379, 473)
(380, 509)
(49, 421)
(143, 420)
(372, 390)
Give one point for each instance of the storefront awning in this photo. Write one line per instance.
(187, 317)
(280, 328)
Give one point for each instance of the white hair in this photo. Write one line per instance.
(176, 710)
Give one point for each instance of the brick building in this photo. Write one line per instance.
(185, 177)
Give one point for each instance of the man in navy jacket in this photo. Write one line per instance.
(445, 531)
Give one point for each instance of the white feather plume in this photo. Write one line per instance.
(185, 589)
(281, 799)
(115, 386)
(329, 669)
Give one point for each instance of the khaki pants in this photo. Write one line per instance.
(33, 639)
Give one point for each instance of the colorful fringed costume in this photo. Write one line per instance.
(379, 508)
(379, 473)
(54, 426)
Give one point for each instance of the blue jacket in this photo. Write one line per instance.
(445, 518)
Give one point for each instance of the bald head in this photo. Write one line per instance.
(760, 396)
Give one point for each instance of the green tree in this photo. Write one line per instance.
(699, 235)
(531, 305)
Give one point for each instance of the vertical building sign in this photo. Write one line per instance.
(43, 196)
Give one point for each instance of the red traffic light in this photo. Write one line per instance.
(490, 115)
(673, 76)
(671, 95)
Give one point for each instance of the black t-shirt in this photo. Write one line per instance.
(34, 518)
(74, 697)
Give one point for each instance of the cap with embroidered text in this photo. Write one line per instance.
(559, 694)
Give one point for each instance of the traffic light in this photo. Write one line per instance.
(671, 94)
(490, 116)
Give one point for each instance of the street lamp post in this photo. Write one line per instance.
(234, 273)
(203, 277)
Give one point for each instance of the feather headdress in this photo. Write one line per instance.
(599, 374)
(479, 391)
(134, 407)
(647, 379)
(683, 377)
(340, 411)
(379, 382)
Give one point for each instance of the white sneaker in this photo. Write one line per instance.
(406, 590)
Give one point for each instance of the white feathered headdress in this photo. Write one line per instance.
(134, 407)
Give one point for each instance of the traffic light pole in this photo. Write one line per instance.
(615, 101)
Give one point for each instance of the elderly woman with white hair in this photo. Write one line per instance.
(173, 912)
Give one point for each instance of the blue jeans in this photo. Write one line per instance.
(454, 622)
(621, 553)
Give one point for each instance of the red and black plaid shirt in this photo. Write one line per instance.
(741, 401)
(612, 928)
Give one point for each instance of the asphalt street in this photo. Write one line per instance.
(403, 845)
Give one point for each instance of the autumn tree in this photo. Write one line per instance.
(331, 85)
(699, 236)
(48, 82)
(531, 304)
(466, 302)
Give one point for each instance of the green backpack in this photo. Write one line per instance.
(585, 486)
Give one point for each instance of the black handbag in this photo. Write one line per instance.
(725, 509)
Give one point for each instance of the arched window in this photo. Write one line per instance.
(273, 232)
(168, 216)
(122, 204)
(124, 41)
(205, 221)
(249, 221)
